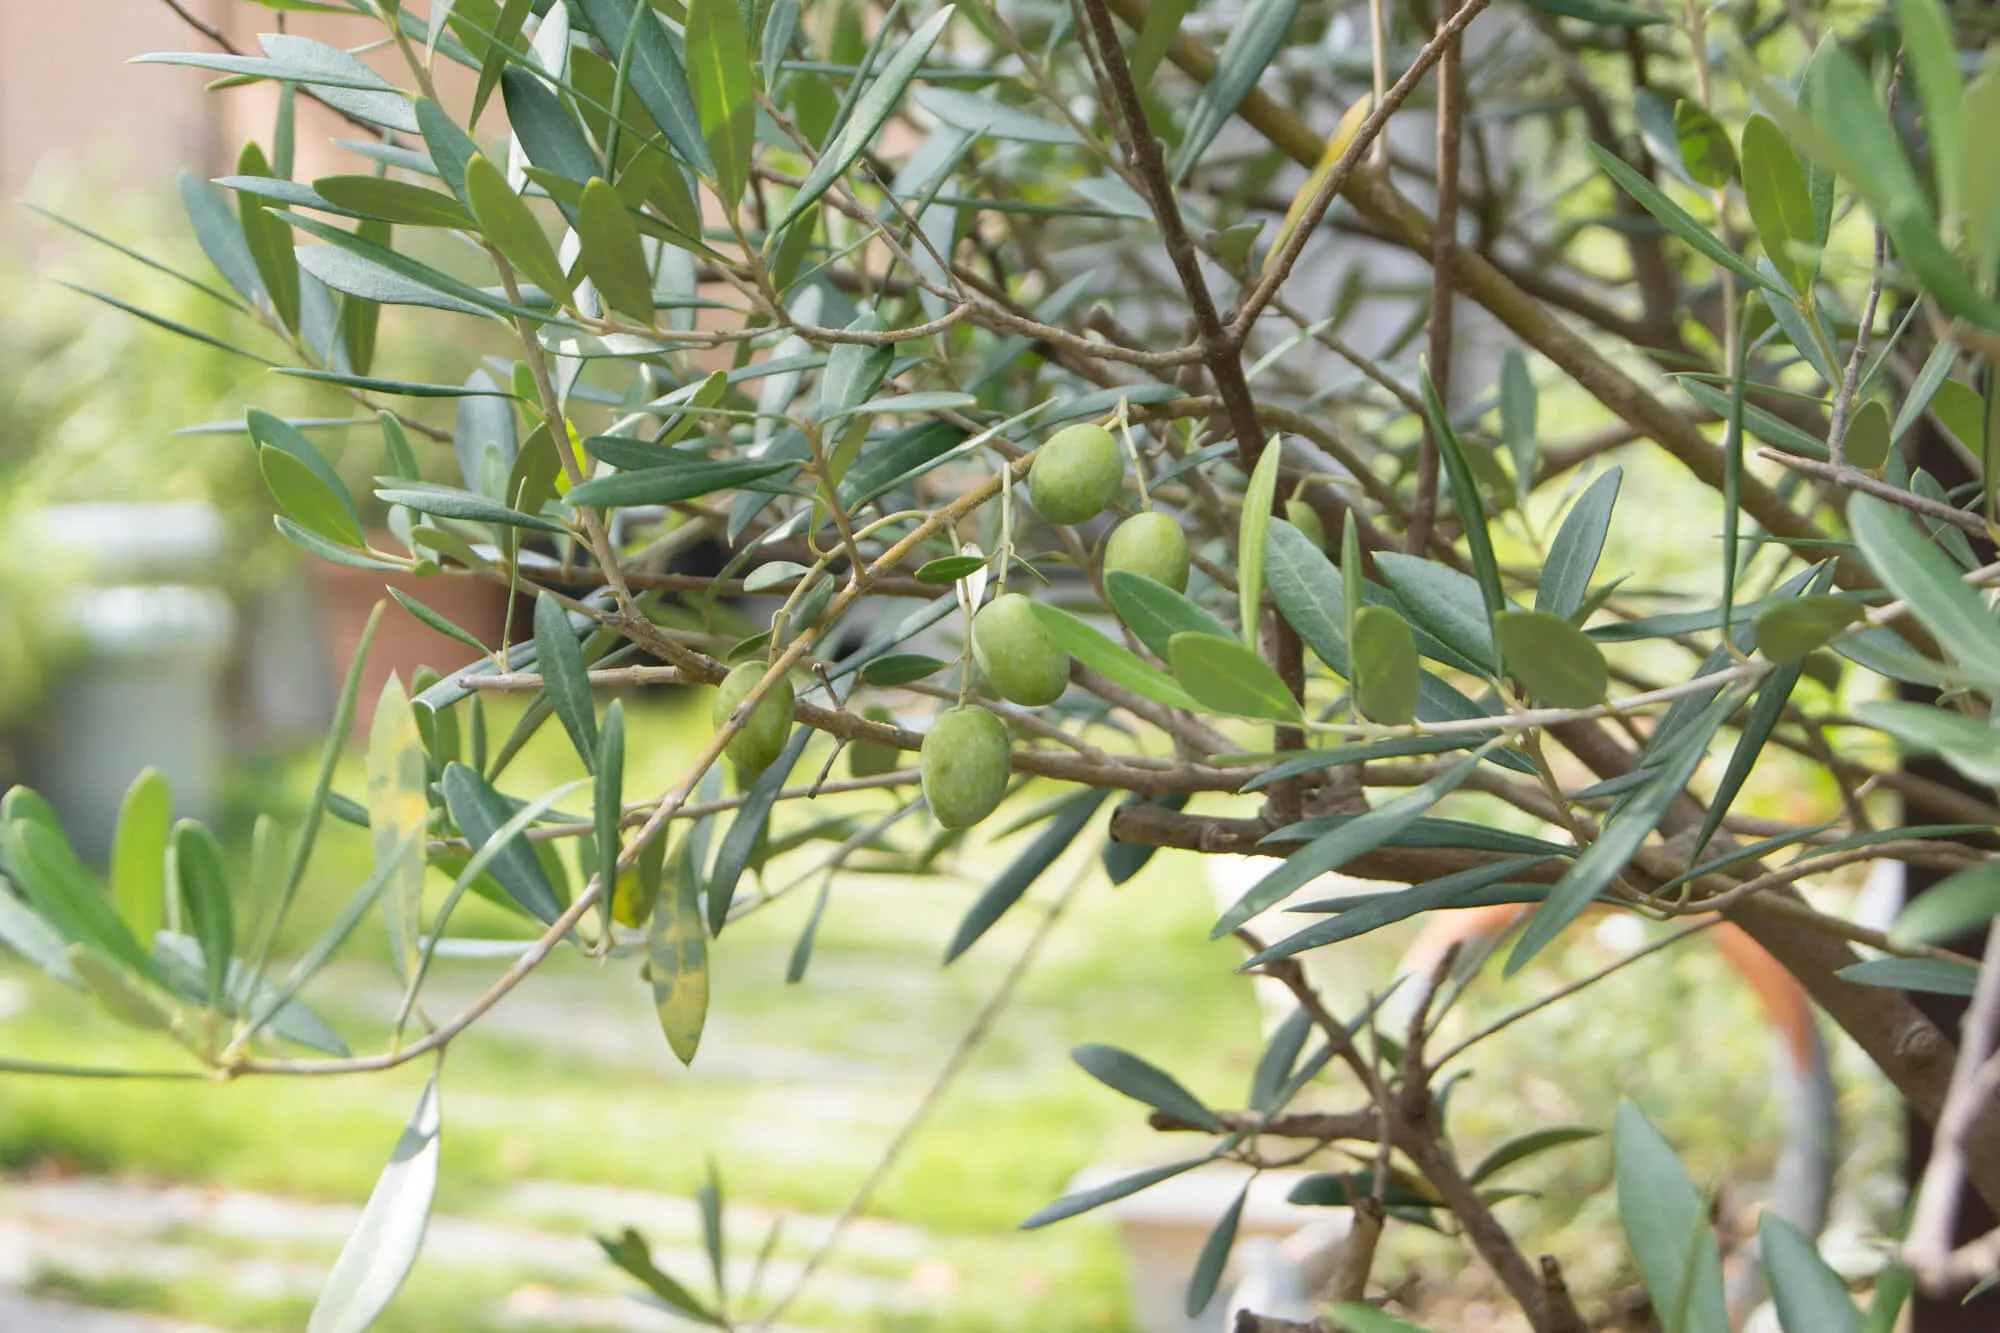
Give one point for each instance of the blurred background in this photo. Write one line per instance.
(149, 614)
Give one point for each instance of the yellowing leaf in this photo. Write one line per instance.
(1336, 147)
(677, 955)
(398, 806)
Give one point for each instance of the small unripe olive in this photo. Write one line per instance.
(1076, 473)
(763, 734)
(1019, 659)
(869, 759)
(1306, 519)
(1151, 544)
(964, 762)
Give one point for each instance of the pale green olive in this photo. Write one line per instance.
(1018, 658)
(1150, 544)
(1306, 519)
(964, 763)
(763, 734)
(1076, 473)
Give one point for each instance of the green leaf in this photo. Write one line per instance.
(480, 811)
(493, 51)
(1636, 816)
(205, 898)
(1675, 218)
(138, 854)
(1560, 665)
(270, 243)
(1384, 660)
(1254, 38)
(1465, 494)
(1124, 1072)
(1932, 50)
(436, 621)
(220, 236)
(1979, 176)
(383, 1248)
(871, 112)
(1790, 630)
(507, 221)
(301, 493)
(950, 569)
(313, 544)
(752, 822)
(450, 502)
(718, 51)
(1352, 1316)
(549, 134)
(1963, 412)
(677, 957)
(1774, 187)
(1971, 746)
(1923, 576)
(1927, 976)
(393, 201)
(611, 252)
(1867, 441)
(1529, 1145)
(450, 147)
(631, 1253)
(1611, 12)
(1214, 1255)
(61, 890)
(1809, 1295)
(1578, 544)
(565, 677)
(398, 813)
(1156, 37)
(607, 800)
(901, 669)
(1018, 877)
(36, 940)
(1705, 148)
(1666, 1224)
(1309, 591)
(1958, 906)
(1518, 425)
(1332, 850)
(1155, 612)
(673, 483)
(1445, 602)
(656, 74)
(1226, 677)
(1070, 1205)
(1255, 527)
(114, 989)
(352, 263)
(1370, 912)
(1113, 661)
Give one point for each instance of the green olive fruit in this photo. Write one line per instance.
(1306, 519)
(763, 734)
(965, 762)
(1019, 659)
(1076, 473)
(870, 759)
(1151, 544)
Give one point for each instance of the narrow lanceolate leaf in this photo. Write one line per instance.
(871, 112)
(206, 903)
(1578, 544)
(1309, 591)
(1666, 1224)
(549, 134)
(1253, 40)
(1624, 831)
(1705, 148)
(139, 852)
(1215, 1255)
(1518, 419)
(1226, 677)
(613, 257)
(1444, 602)
(1528, 1145)
(607, 805)
(1336, 148)
(480, 813)
(1454, 890)
(1096, 1197)
(673, 483)
(1383, 658)
(398, 809)
(1933, 55)
(1673, 217)
(1122, 1071)
(270, 243)
(1112, 660)
(505, 33)
(1256, 525)
(121, 997)
(752, 823)
(1960, 906)
(507, 221)
(656, 74)
(1790, 630)
(301, 493)
(1333, 850)
(1926, 578)
(1560, 665)
(677, 956)
(384, 1246)
(1156, 612)
(1774, 186)
(565, 677)
(1926, 976)
(1465, 494)
(1017, 878)
(393, 201)
(1810, 1297)
(725, 95)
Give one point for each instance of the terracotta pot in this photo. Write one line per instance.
(403, 643)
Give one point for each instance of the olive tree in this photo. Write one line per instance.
(1013, 349)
